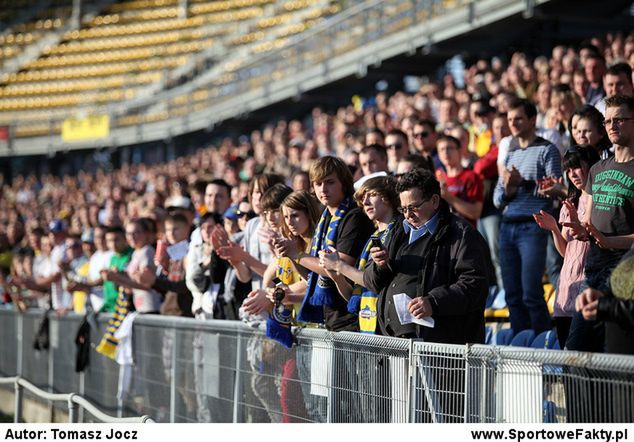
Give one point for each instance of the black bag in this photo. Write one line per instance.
(42, 336)
(82, 342)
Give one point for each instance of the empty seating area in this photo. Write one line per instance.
(133, 45)
(526, 338)
(17, 38)
(350, 34)
(136, 48)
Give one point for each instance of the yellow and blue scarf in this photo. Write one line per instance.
(320, 291)
(363, 301)
(108, 344)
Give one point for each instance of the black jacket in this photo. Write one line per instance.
(618, 313)
(455, 272)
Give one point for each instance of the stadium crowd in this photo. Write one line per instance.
(366, 219)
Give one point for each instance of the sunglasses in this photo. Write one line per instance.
(421, 135)
(250, 214)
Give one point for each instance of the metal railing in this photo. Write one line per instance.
(72, 400)
(226, 371)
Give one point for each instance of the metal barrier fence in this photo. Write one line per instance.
(72, 400)
(225, 371)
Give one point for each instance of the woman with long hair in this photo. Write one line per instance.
(577, 163)
(588, 129)
(564, 102)
(300, 212)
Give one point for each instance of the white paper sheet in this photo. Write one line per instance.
(178, 251)
(401, 302)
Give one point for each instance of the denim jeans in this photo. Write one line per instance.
(522, 260)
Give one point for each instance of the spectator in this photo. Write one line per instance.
(397, 147)
(373, 158)
(138, 235)
(300, 181)
(74, 268)
(300, 214)
(424, 136)
(522, 243)
(437, 259)
(99, 260)
(594, 67)
(481, 114)
(378, 199)
(177, 299)
(577, 163)
(616, 81)
(256, 303)
(253, 255)
(489, 222)
(411, 162)
(230, 220)
(341, 226)
(610, 213)
(374, 136)
(460, 187)
(590, 130)
(217, 196)
(121, 254)
(609, 218)
(205, 275)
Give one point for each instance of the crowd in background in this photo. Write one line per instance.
(215, 234)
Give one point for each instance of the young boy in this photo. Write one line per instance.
(460, 187)
(177, 297)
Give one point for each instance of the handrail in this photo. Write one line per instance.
(72, 399)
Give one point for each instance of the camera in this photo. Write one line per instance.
(278, 293)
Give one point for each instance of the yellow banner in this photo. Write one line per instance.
(92, 127)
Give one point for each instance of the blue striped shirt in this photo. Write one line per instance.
(540, 159)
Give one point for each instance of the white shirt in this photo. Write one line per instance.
(100, 260)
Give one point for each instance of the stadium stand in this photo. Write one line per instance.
(182, 222)
(136, 45)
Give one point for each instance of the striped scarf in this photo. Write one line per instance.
(320, 290)
(363, 301)
(108, 344)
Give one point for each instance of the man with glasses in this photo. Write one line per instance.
(437, 259)
(442, 263)
(610, 226)
(397, 148)
(522, 242)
